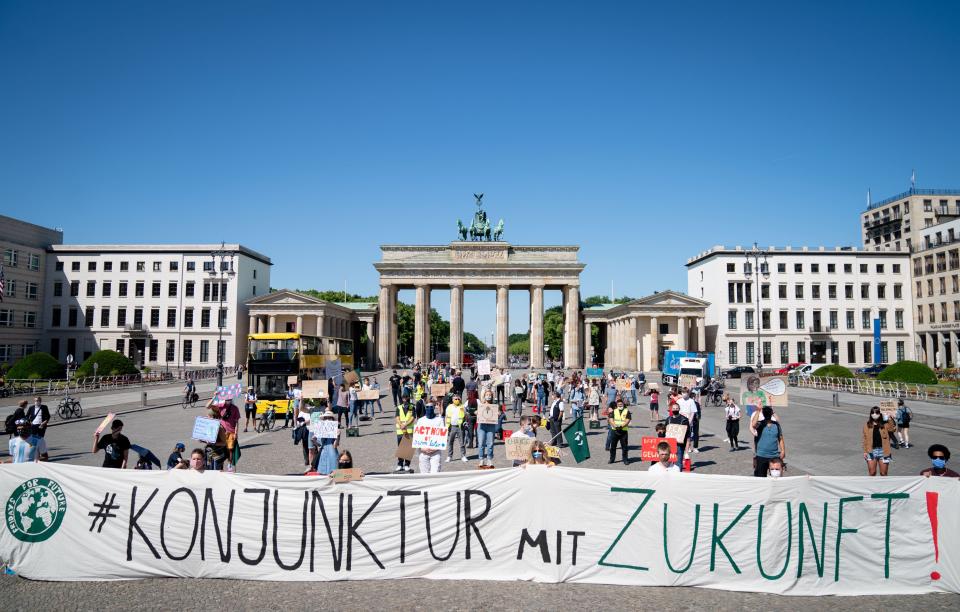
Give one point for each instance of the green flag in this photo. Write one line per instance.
(576, 437)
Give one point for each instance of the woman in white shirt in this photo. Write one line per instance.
(732, 412)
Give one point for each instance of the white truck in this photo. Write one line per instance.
(692, 368)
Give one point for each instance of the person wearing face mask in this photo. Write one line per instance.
(538, 455)
(527, 429)
(689, 409)
(775, 468)
(327, 449)
(675, 418)
(939, 455)
(25, 447)
(345, 460)
(876, 441)
(455, 416)
(430, 457)
(619, 421)
(732, 412)
(486, 431)
(197, 463)
(769, 443)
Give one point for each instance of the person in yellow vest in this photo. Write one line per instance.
(619, 420)
(404, 420)
(455, 415)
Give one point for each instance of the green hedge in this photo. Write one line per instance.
(37, 365)
(835, 371)
(111, 363)
(908, 372)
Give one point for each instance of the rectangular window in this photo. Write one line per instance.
(157, 266)
(191, 266)
(122, 289)
(863, 268)
(33, 291)
(851, 352)
(208, 266)
(847, 268)
(10, 257)
(865, 319)
(731, 319)
(188, 318)
(784, 353)
(205, 317)
(802, 351)
(765, 319)
(58, 266)
(832, 292)
(188, 291)
(782, 291)
(108, 266)
(187, 351)
(943, 312)
(883, 317)
(74, 288)
(767, 357)
(798, 291)
(879, 268)
(155, 290)
(75, 266)
(784, 324)
(898, 316)
(221, 350)
(154, 317)
(898, 291)
(105, 289)
(817, 323)
(6, 318)
(865, 291)
(848, 291)
(850, 320)
(896, 268)
(815, 292)
(831, 268)
(900, 350)
(124, 266)
(798, 268)
(153, 349)
(91, 266)
(171, 317)
(781, 268)
(815, 268)
(204, 351)
(120, 345)
(867, 347)
(751, 358)
(29, 320)
(222, 319)
(172, 290)
(121, 317)
(765, 291)
(748, 319)
(174, 266)
(88, 314)
(833, 319)
(943, 286)
(801, 324)
(138, 317)
(933, 313)
(732, 349)
(57, 289)
(731, 267)
(141, 266)
(882, 291)
(138, 289)
(171, 352)
(104, 317)
(919, 314)
(72, 316)
(91, 288)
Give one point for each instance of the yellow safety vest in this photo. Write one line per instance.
(619, 418)
(450, 410)
(401, 418)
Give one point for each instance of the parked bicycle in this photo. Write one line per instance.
(267, 420)
(69, 407)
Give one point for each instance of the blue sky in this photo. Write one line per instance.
(315, 131)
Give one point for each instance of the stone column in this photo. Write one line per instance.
(615, 344)
(587, 344)
(953, 350)
(641, 353)
(930, 351)
(272, 326)
(682, 333)
(299, 324)
(536, 326)
(456, 326)
(421, 325)
(702, 335)
(371, 353)
(319, 328)
(503, 329)
(632, 344)
(384, 317)
(260, 325)
(942, 348)
(654, 343)
(571, 326)
(253, 324)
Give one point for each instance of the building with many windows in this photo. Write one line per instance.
(162, 305)
(813, 305)
(24, 249)
(936, 294)
(897, 223)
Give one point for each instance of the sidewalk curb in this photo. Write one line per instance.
(130, 411)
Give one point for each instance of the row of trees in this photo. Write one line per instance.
(42, 366)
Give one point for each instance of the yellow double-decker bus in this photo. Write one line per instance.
(274, 358)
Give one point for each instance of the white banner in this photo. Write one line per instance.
(796, 536)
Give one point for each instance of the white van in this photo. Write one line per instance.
(805, 371)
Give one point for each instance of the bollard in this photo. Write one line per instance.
(836, 399)
(143, 399)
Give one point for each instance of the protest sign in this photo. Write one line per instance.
(518, 447)
(314, 389)
(648, 448)
(553, 452)
(368, 394)
(430, 437)
(405, 448)
(487, 414)
(594, 372)
(624, 384)
(803, 535)
(440, 389)
(293, 379)
(351, 377)
(324, 428)
(205, 429)
(106, 421)
(345, 475)
(676, 431)
(227, 392)
(889, 408)
(483, 367)
(576, 437)
(653, 386)
(687, 380)
(334, 369)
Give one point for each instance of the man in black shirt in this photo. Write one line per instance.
(395, 388)
(115, 446)
(458, 384)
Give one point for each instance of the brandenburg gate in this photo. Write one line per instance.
(492, 265)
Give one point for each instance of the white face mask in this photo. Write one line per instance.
(874, 416)
(774, 473)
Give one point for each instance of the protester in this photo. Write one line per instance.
(664, 464)
(904, 416)
(518, 395)
(38, 417)
(403, 421)
(939, 455)
(555, 421)
(197, 463)
(654, 405)
(732, 412)
(876, 441)
(754, 398)
(325, 457)
(486, 432)
(115, 446)
(343, 407)
(302, 438)
(619, 421)
(593, 401)
(376, 387)
(538, 454)
(345, 460)
(25, 447)
(176, 457)
(675, 418)
(775, 468)
(250, 408)
(229, 416)
(429, 458)
(454, 416)
(690, 409)
(769, 443)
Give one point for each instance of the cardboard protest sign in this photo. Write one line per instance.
(518, 448)
(344, 475)
(687, 380)
(324, 428)
(653, 386)
(293, 379)
(353, 376)
(757, 392)
(487, 414)
(648, 448)
(430, 437)
(334, 369)
(483, 367)
(889, 408)
(314, 389)
(405, 448)
(369, 394)
(205, 429)
(624, 384)
(106, 421)
(676, 431)
(553, 452)
(440, 389)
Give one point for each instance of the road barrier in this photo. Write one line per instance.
(879, 388)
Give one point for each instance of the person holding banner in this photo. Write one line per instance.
(429, 458)
(538, 455)
(677, 419)
(619, 421)
(326, 459)
(663, 465)
(487, 411)
(876, 441)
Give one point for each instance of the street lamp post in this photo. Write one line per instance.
(222, 272)
(756, 266)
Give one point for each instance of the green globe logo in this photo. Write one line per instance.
(35, 510)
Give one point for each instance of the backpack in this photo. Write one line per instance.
(298, 434)
(10, 424)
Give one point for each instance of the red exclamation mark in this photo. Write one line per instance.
(932, 499)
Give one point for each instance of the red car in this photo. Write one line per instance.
(787, 368)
